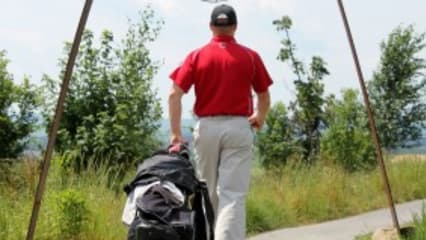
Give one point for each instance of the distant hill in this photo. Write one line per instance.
(416, 147)
(164, 131)
(39, 138)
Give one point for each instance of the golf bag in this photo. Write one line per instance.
(166, 201)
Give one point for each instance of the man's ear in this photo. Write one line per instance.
(234, 28)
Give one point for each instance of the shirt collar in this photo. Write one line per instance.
(223, 38)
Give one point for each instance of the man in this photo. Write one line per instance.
(223, 73)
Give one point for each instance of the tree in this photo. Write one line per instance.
(397, 89)
(17, 107)
(111, 113)
(347, 141)
(275, 144)
(307, 108)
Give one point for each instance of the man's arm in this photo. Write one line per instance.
(175, 113)
(257, 119)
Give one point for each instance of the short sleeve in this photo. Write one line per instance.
(183, 76)
(262, 80)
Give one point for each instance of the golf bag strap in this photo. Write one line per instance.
(208, 208)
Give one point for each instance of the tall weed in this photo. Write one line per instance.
(297, 195)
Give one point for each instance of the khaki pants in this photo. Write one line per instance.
(223, 153)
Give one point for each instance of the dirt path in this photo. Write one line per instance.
(408, 157)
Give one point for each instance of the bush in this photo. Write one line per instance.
(347, 141)
(307, 108)
(275, 144)
(111, 113)
(17, 106)
(73, 214)
(398, 88)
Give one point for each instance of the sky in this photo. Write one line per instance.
(33, 34)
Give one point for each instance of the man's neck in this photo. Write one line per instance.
(223, 35)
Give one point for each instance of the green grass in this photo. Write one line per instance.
(418, 224)
(298, 196)
(105, 204)
(364, 237)
(286, 197)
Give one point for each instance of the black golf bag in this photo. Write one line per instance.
(169, 202)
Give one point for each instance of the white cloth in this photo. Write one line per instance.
(223, 150)
(129, 211)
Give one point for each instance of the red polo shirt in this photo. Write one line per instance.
(223, 73)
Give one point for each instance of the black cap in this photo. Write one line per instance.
(223, 15)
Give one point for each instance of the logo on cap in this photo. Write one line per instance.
(222, 16)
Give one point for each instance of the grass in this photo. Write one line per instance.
(418, 224)
(364, 237)
(105, 204)
(286, 197)
(298, 196)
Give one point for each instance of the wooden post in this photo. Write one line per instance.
(57, 118)
(371, 119)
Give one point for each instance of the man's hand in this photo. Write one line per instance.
(256, 121)
(176, 139)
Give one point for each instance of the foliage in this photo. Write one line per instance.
(299, 195)
(347, 141)
(412, 231)
(398, 88)
(75, 205)
(307, 108)
(111, 113)
(73, 214)
(274, 143)
(420, 226)
(320, 192)
(17, 107)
